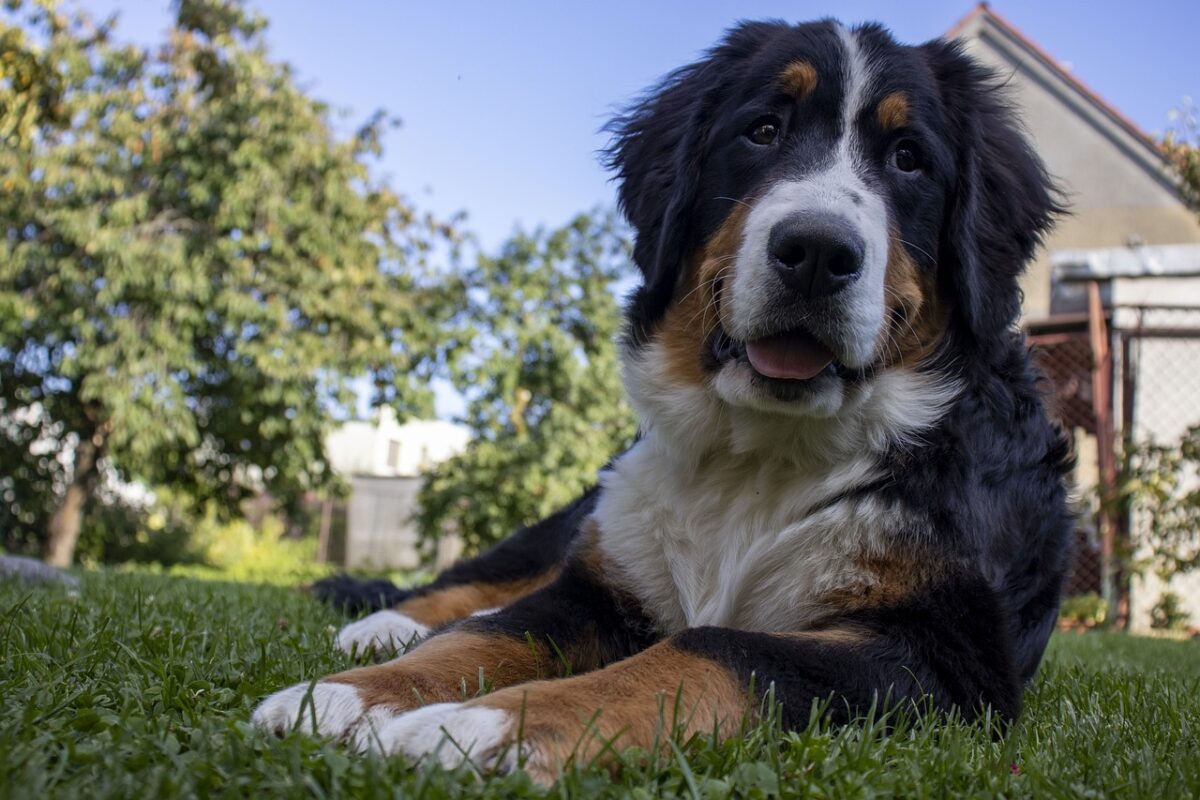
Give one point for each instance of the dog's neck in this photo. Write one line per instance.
(690, 425)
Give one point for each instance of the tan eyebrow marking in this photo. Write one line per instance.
(892, 111)
(798, 78)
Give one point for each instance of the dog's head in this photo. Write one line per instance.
(816, 207)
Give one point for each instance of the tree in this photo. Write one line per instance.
(1181, 145)
(534, 354)
(194, 268)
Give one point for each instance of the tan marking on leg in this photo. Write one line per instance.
(589, 555)
(458, 602)
(641, 701)
(882, 582)
(838, 636)
(446, 668)
(892, 111)
(917, 317)
(798, 79)
(692, 320)
(587, 548)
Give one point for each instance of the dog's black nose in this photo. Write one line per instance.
(815, 255)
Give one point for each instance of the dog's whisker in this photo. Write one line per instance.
(904, 318)
(735, 200)
(709, 283)
(925, 253)
(712, 301)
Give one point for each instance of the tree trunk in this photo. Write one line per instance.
(62, 532)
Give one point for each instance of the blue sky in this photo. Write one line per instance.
(502, 102)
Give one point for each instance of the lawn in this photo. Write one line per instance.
(141, 685)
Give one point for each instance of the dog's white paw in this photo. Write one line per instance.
(384, 631)
(332, 709)
(450, 733)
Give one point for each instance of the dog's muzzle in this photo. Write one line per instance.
(815, 256)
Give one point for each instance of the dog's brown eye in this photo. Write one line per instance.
(907, 157)
(764, 131)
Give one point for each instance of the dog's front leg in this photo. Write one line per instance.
(706, 680)
(575, 624)
(541, 726)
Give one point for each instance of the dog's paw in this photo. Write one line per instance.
(384, 632)
(328, 709)
(450, 733)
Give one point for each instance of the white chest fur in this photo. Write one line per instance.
(737, 541)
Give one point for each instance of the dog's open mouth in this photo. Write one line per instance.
(790, 356)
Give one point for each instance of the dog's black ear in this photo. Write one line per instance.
(657, 153)
(1002, 201)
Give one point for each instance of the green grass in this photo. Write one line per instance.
(141, 685)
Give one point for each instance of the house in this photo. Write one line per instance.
(1113, 299)
(383, 461)
(1121, 191)
(383, 447)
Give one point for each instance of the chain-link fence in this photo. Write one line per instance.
(1159, 403)
(1064, 354)
(1118, 379)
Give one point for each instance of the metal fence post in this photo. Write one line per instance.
(1105, 452)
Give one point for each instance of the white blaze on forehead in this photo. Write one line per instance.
(856, 79)
(835, 189)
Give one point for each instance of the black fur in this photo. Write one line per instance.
(580, 618)
(1002, 199)
(940, 646)
(658, 152)
(527, 553)
(356, 596)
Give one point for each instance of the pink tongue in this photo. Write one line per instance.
(793, 356)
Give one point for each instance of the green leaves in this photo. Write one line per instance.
(1181, 146)
(195, 268)
(193, 261)
(1159, 482)
(533, 351)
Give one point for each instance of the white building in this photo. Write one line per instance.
(384, 461)
(385, 448)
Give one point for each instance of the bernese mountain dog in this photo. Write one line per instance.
(846, 489)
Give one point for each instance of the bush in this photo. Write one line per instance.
(1083, 611)
(116, 532)
(1168, 613)
(174, 531)
(264, 554)
(1160, 480)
